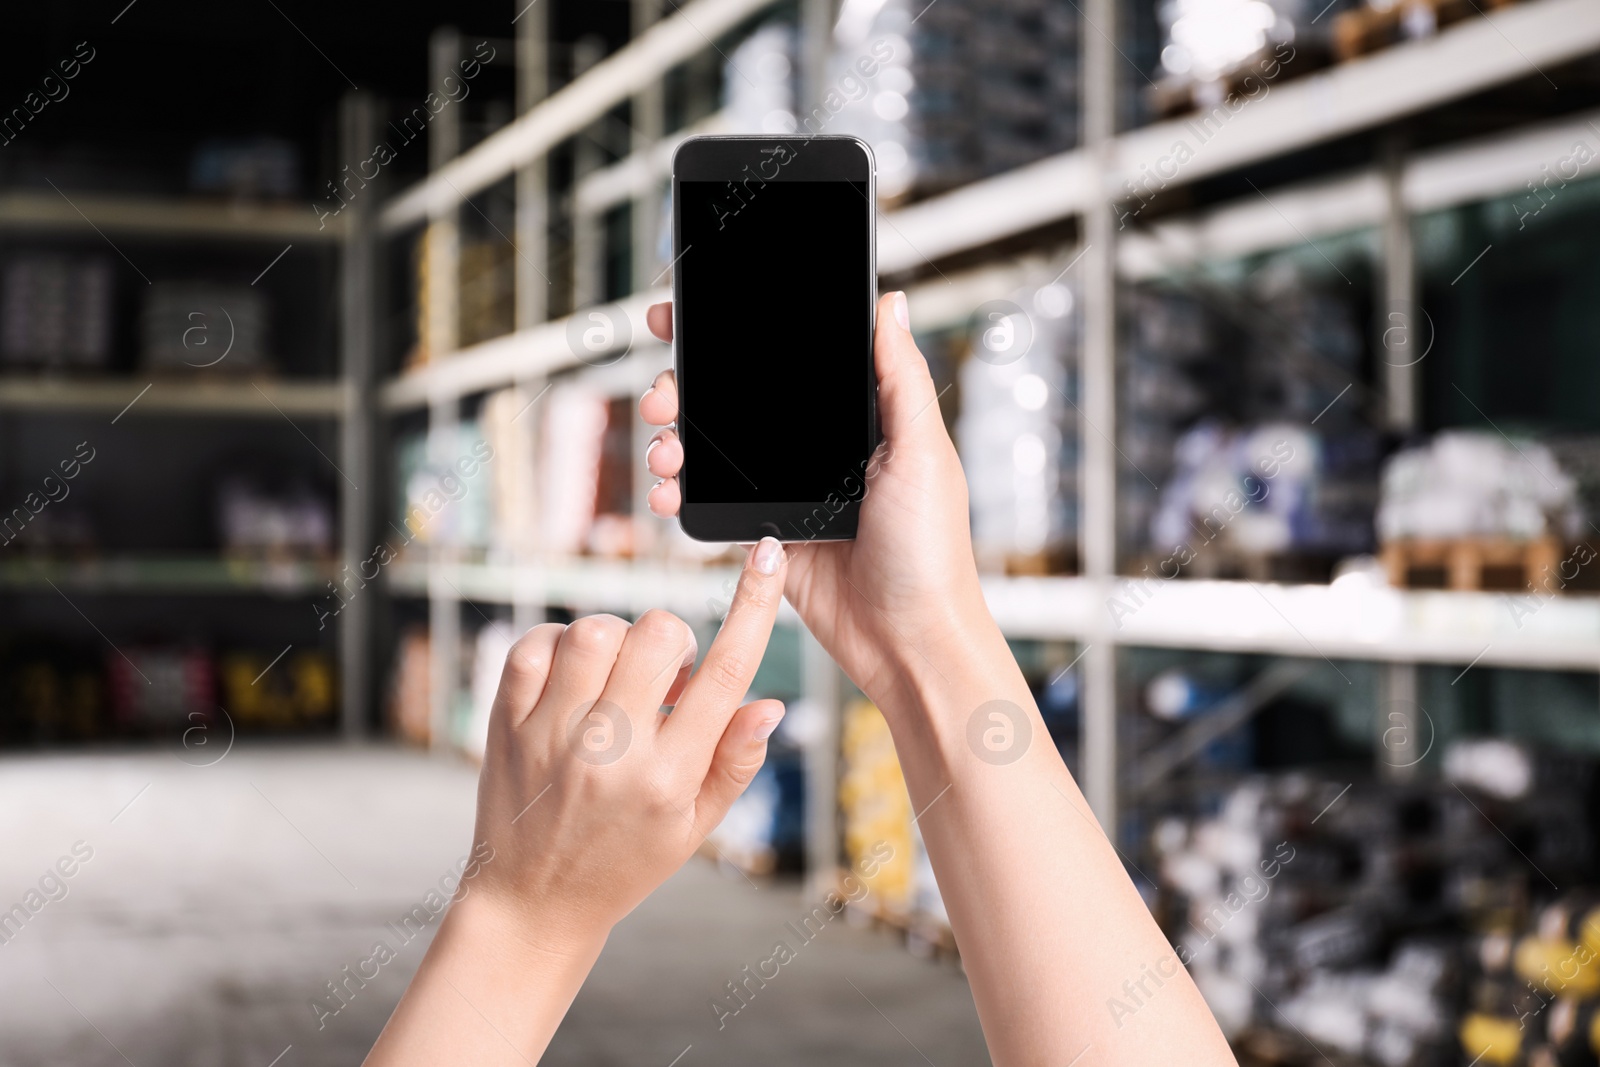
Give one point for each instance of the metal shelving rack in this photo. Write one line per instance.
(345, 399)
(1394, 627)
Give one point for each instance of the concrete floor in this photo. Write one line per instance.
(218, 901)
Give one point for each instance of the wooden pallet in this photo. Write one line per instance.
(1221, 563)
(1470, 563)
(1368, 29)
(1263, 1047)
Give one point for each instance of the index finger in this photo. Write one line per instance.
(715, 691)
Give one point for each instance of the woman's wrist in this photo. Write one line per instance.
(961, 659)
(495, 975)
(523, 934)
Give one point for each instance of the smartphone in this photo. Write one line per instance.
(774, 290)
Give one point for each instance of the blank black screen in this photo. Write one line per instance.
(775, 341)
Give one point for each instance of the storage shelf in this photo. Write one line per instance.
(1350, 96)
(155, 574)
(1341, 621)
(585, 585)
(173, 396)
(1364, 93)
(162, 217)
(642, 172)
(1434, 180)
(645, 59)
(1469, 57)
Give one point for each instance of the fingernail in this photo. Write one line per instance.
(646, 394)
(768, 555)
(902, 313)
(651, 447)
(769, 724)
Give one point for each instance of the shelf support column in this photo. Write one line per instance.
(532, 264)
(444, 602)
(588, 229)
(649, 125)
(817, 18)
(1403, 328)
(532, 292)
(820, 685)
(1097, 510)
(357, 506)
(1404, 731)
(442, 265)
(443, 278)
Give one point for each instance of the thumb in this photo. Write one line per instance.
(906, 393)
(739, 755)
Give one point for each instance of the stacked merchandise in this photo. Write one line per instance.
(488, 304)
(875, 811)
(490, 647)
(1269, 502)
(547, 474)
(1249, 487)
(1304, 344)
(156, 689)
(65, 528)
(946, 93)
(1469, 503)
(246, 168)
(444, 480)
(1379, 23)
(586, 463)
(53, 692)
(1578, 455)
(50, 692)
(55, 312)
(510, 418)
(764, 830)
(188, 326)
(1017, 431)
(257, 521)
(1213, 51)
(1380, 920)
(296, 692)
(421, 352)
(407, 708)
(1173, 376)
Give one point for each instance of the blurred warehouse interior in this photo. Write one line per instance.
(1265, 328)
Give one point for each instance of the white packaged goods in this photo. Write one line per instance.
(949, 92)
(1016, 432)
(1467, 483)
(55, 312)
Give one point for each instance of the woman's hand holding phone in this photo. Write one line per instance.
(1032, 886)
(889, 603)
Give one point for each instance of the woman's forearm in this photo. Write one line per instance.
(1049, 925)
(492, 988)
